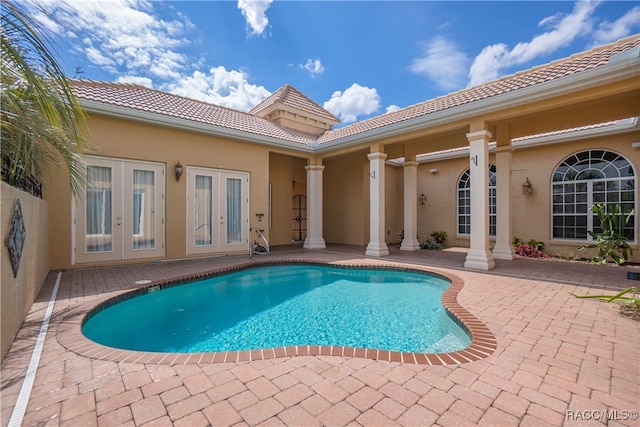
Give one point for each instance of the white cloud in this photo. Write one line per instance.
(123, 36)
(354, 101)
(393, 107)
(313, 66)
(227, 88)
(98, 58)
(167, 65)
(622, 27)
(254, 11)
(126, 38)
(442, 63)
(494, 59)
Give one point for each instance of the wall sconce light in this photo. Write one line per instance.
(527, 187)
(422, 199)
(179, 170)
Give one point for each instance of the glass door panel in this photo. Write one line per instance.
(217, 211)
(234, 211)
(203, 211)
(235, 205)
(98, 216)
(99, 210)
(144, 210)
(122, 213)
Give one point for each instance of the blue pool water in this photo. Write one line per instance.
(285, 305)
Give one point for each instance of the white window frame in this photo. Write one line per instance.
(586, 157)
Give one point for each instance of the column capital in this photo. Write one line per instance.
(504, 149)
(479, 134)
(410, 163)
(314, 167)
(377, 155)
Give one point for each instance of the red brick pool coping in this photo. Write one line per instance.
(483, 342)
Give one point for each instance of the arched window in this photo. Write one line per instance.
(586, 178)
(464, 202)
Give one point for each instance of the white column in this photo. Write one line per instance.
(377, 245)
(314, 238)
(503, 248)
(479, 256)
(410, 241)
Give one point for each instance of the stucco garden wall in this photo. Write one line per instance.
(19, 293)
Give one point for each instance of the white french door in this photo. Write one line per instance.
(217, 211)
(122, 213)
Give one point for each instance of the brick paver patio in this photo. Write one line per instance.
(559, 360)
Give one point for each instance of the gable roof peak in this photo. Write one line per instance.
(289, 107)
(292, 97)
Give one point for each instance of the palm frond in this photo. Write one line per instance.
(42, 123)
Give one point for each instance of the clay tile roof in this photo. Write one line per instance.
(290, 96)
(544, 73)
(152, 101)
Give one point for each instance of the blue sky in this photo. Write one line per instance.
(358, 59)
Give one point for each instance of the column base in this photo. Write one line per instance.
(410, 245)
(479, 260)
(377, 249)
(504, 252)
(314, 244)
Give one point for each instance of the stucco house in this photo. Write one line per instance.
(457, 163)
(171, 178)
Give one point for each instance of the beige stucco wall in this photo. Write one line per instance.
(345, 186)
(346, 199)
(394, 203)
(283, 172)
(19, 293)
(531, 214)
(439, 212)
(125, 139)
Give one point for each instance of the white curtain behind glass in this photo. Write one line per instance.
(234, 210)
(143, 214)
(202, 211)
(98, 209)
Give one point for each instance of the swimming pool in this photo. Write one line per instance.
(281, 306)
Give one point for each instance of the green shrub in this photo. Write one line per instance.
(536, 244)
(610, 241)
(439, 236)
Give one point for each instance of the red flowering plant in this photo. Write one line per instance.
(530, 251)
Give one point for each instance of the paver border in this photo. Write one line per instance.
(483, 341)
